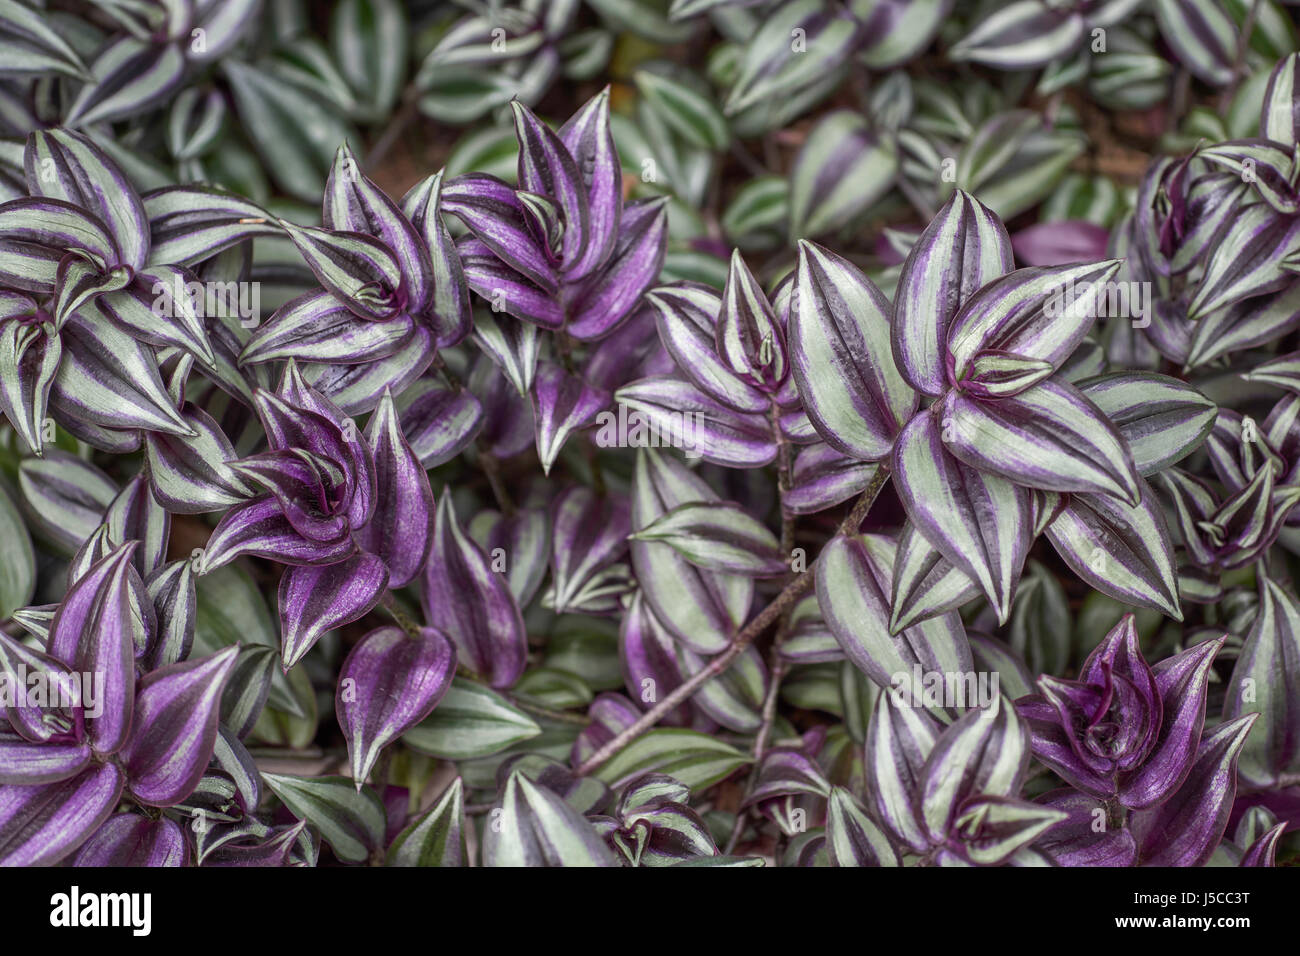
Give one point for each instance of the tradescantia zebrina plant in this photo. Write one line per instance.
(649, 434)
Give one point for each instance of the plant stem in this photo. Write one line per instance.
(492, 469)
(560, 716)
(718, 665)
(777, 667)
(396, 126)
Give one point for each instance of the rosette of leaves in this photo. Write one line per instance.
(392, 291)
(141, 731)
(1240, 195)
(997, 457)
(561, 252)
(89, 310)
(348, 512)
(1131, 741)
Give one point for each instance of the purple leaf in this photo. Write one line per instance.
(609, 296)
(41, 825)
(400, 529)
(842, 357)
(523, 540)
(1087, 837)
(1263, 852)
(259, 528)
(471, 603)
(449, 305)
(562, 404)
(1182, 682)
(587, 137)
(506, 289)
(670, 411)
(1050, 437)
(389, 682)
(129, 839)
(175, 728)
(1060, 243)
(979, 522)
(315, 599)
(353, 203)
(589, 534)
(493, 213)
(61, 718)
(963, 248)
(92, 633)
(440, 421)
(1187, 826)
(822, 477)
(24, 763)
(547, 168)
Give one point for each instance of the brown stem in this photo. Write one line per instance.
(396, 126)
(778, 670)
(718, 665)
(492, 469)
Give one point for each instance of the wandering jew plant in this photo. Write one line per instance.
(691, 433)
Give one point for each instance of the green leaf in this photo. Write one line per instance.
(686, 111)
(17, 559)
(369, 39)
(695, 759)
(842, 169)
(471, 721)
(351, 821)
(437, 836)
(717, 536)
(760, 206)
(556, 689)
(535, 827)
(295, 133)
